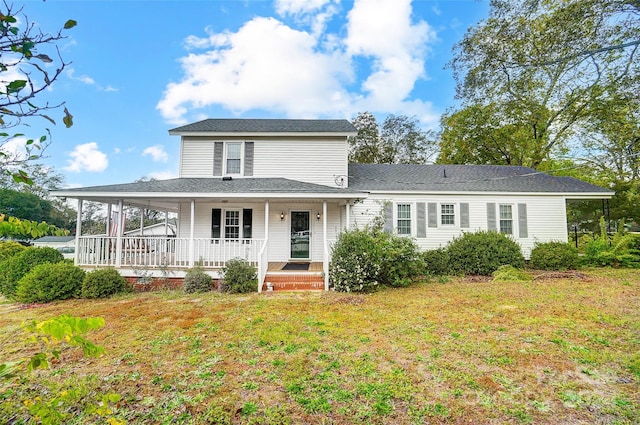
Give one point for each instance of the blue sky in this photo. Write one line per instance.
(140, 68)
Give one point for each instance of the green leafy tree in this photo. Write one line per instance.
(399, 140)
(29, 64)
(539, 68)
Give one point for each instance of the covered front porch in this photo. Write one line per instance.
(264, 229)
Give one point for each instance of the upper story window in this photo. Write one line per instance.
(506, 219)
(404, 219)
(447, 214)
(234, 157)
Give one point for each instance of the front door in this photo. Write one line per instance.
(300, 235)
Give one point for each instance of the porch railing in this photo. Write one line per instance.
(164, 252)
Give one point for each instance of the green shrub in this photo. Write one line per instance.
(483, 252)
(16, 267)
(10, 248)
(437, 262)
(239, 276)
(616, 251)
(364, 259)
(356, 260)
(509, 273)
(103, 283)
(401, 260)
(49, 282)
(196, 280)
(554, 256)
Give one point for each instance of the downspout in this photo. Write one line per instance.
(261, 267)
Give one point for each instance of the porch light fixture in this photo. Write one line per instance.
(318, 216)
(281, 215)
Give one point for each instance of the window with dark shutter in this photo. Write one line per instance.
(247, 223)
(216, 221)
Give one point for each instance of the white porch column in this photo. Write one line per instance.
(108, 223)
(325, 258)
(262, 268)
(78, 232)
(166, 223)
(192, 232)
(347, 215)
(141, 221)
(119, 227)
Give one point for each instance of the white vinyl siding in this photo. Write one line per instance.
(196, 158)
(546, 216)
(320, 160)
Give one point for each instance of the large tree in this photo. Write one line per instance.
(30, 62)
(399, 140)
(539, 68)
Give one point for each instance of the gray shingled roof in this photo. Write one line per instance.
(266, 126)
(462, 178)
(213, 186)
(50, 239)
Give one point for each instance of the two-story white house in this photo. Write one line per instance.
(277, 193)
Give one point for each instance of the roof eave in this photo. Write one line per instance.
(263, 133)
(568, 195)
(208, 195)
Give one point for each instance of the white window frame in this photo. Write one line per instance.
(226, 158)
(500, 219)
(454, 213)
(411, 218)
(225, 226)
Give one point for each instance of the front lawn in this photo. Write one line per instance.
(556, 350)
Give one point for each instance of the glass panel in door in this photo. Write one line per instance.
(300, 234)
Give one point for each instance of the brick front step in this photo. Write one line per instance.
(294, 281)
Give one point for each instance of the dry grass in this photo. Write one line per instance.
(559, 349)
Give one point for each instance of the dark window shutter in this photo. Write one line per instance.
(491, 216)
(247, 223)
(216, 220)
(433, 214)
(421, 231)
(388, 217)
(464, 215)
(523, 231)
(218, 149)
(248, 158)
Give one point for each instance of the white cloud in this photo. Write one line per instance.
(294, 7)
(82, 78)
(307, 72)
(157, 153)
(87, 157)
(265, 65)
(15, 148)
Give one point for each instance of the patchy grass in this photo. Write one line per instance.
(563, 350)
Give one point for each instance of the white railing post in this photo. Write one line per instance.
(78, 232)
(263, 260)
